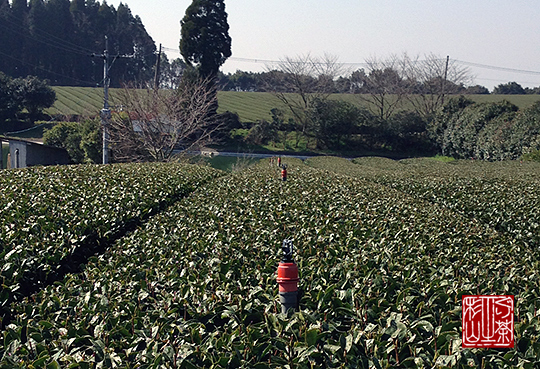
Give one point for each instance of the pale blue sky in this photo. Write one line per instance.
(489, 32)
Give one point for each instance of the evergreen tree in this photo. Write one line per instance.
(13, 36)
(37, 52)
(510, 88)
(34, 95)
(5, 39)
(205, 42)
(9, 104)
(76, 6)
(20, 8)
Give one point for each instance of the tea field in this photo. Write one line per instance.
(88, 101)
(51, 218)
(250, 106)
(385, 251)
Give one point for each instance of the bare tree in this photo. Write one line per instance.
(431, 79)
(302, 80)
(156, 123)
(383, 85)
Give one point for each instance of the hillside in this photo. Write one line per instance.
(250, 106)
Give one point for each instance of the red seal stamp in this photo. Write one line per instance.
(488, 321)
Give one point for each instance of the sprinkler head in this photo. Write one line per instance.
(287, 249)
(287, 278)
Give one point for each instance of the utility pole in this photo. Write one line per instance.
(158, 63)
(106, 111)
(445, 76)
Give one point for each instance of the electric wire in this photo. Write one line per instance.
(478, 65)
(471, 64)
(80, 81)
(506, 80)
(50, 44)
(60, 40)
(52, 41)
(61, 44)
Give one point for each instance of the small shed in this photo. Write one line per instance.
(24, 153)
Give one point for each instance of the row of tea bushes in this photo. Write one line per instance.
(503, 195)
(51, 218)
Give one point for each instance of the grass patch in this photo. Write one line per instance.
(225, 163)
(521, 101)
(533, 156)
(442, 158)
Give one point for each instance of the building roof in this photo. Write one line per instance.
(17, 139)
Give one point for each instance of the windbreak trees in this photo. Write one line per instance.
(382, 85)
(510, 88)
(389, 84)
(53, 40)
(302, 80)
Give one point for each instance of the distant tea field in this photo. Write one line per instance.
(250, 106)
(88, 101)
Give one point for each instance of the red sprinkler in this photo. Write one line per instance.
(287, 278)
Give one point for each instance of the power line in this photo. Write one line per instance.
(478, 65)
(260, 61)
(47, 70)
(42, 31)
(53, 40)
(506, 80)
(61, 44)
(365, 64)
(50, 43)
(171, 49)
(472, 64)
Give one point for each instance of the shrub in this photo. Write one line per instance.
(81, 140)
(462, 128)
(262, 133)
(532, 156)
(334, 121)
